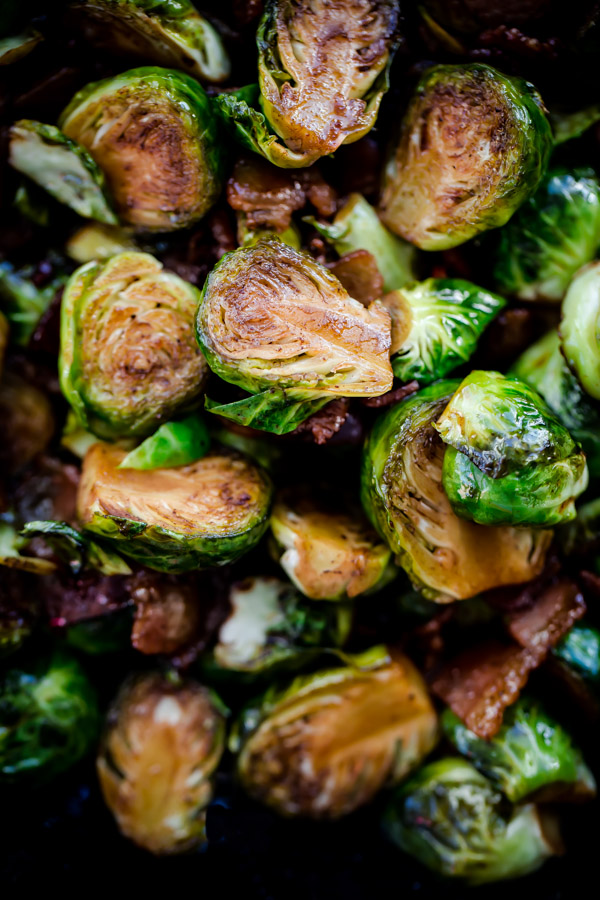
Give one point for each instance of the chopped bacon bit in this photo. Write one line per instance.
(392, 397)
(360, 276)
(483, 681)
(322, 196)
(554, 612)
(71, 599)
(266, 194)
(246, 11)
(167, 614)
(322, 425)
(590, 582)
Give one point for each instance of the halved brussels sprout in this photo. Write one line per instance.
(531, 754)
(153, 133)
(401, 487)
(163, 742)
(358, 227)
(175, 520)
(326, 744)
(473, 147)
(436, 325)
(542, 366)
(452, 819)
(328, 552)
(165, 32)
(48, 719)
(553, 234)
(275, 322)
(128, 358)
(62, 167)
(580, 329)
(323, 69)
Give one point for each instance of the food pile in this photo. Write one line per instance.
(300, 339)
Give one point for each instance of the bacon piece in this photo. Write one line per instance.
(360, 276)
(266, 194)
(322, 425)
(167, 614)
(392, 397)
(483, 681)
(68, 599)
(322, 196)
(554, 611)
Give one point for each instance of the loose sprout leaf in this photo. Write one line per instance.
(567, 126)
(579, 328)
(273, 410)
(165, 32)
(23, 302)
(173, 444)
(357, 226)
(436, 325)
(13, 49)
(10, 556)
(473, 146)
(98, 242)
(579, 649)
(76, 549)
(62, 167)
(552, 235)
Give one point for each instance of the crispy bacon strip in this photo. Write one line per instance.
(167, 613)
(360, 276)
(554, 611)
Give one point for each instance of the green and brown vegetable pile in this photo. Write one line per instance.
(300, 399)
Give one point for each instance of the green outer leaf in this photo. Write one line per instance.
(567, 126)
(358, 227)
(579, 650)
(531, 753)
(538, 494)
(552, 235)
(76, 549)
(62, 167)
(275, 410)
(10, 556)
(501, 425)
(579, 328)
(13, 49)
(22, 302)
(447, 317)
(173, 444)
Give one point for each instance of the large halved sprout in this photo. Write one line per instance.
(322, 69)
(473, 147)
(329, 553)
(326, 744)
(154, 134)
(163, 741)
(128, 358)
(175, 520)
(436, 325)
(165, 32)
(275, 322)
(453, 820)
(447, 557)
(580, 328)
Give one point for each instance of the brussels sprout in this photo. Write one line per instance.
(452, 819)
(95, 241)
(446, 557)
(62, 167)
(542, 366)
(436, 325)
(579, 328)
(173, 444)
(247, 236)
(19, 609)
(579, 650)
(553, 234)
(153, 133)
(358, 227)
(175, 520)
(278, 324)
(11, 545)
(531, 754)
(328, 742)
(163, 742)
(323, 69)
(329, 553)
(128, 358)
(76, 549)
(473, 147)
(165, 32)
(13, 49)
(48, 719)
(27, 423)
(23, 302)
(566, 126)
(271, 626)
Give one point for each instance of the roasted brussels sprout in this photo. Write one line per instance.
(542, 366)
(163, 741)
(358, 227)
(24, 301)
(446, 557)
(77, 550)
(275, 322)
(165, 32)
(323, 69)
(175, 520)
(436, 325)
(153, 133)
(452, 819)
(27, 419)
(328, 552)
(531, 755)
(128, 358)
(473, 147)
(327, 743)
(579, 328)
(62, 167)
(95, 241)
(48, 719)
(271, 626)
(13, 49)
(173, 444)
(553, 234)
